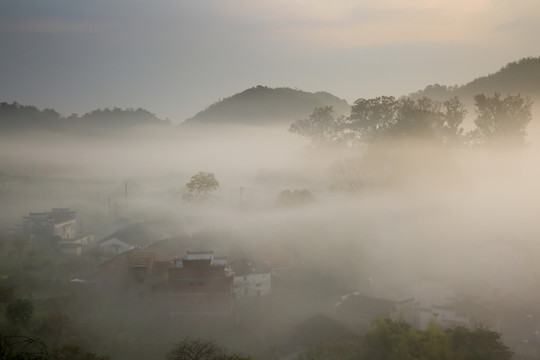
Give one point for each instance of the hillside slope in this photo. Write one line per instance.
(518, 77)
(263, 105)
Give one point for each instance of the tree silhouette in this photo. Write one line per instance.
(201, 184)
(501, 121)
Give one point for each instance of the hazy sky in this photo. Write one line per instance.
(176, 57)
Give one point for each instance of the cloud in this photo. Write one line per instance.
(346, 23)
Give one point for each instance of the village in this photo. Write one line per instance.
(207, 284)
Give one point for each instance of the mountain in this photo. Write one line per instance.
(264, 105)
(518, 77)
(15, 117)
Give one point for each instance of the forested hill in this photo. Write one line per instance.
(521, 77)
(15, 117)
(264, 105)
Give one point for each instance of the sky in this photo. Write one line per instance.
(177, 57)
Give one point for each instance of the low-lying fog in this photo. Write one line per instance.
(384, 217)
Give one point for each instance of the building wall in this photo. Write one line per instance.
(420, 317)
(252, 285)
(199, 288)
(66, 230)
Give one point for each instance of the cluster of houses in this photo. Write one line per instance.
(199, 283)
(58, 225)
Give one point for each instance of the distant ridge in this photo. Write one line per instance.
(522, 76)
(263, 105)
(15, 117)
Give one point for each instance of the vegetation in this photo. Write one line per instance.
(26, 348)
(197, 349)
(264, 105)
(295, 197)
(398, 340)
(499, 121)
(201, 185)
(20, 311)
(17, 117)
(320, 127)
(516, 77)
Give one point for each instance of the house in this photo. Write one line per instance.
(135, 273)
(113, 246)
(199, 286)
(126, 239)
(358, 311)
(75, 245)
(59, 222)
(251, 279)
(431, 302)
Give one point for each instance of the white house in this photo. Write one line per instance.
(251, 285)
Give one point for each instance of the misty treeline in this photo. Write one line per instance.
(389, 339)
(500, 121)
(519, 76)
(17, 117)
(398, 340)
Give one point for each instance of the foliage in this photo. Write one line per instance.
(20, 310)
(370, 119)
(386, 117)
(320, 127)
(202, 183)
(17, 117)
(296, 197)
(478, 344)
(74, 352)
(501, 121)
(346, 349)
(516, 77)
(56, 327)
(7, 294)
(22, 348)
(398, 340)
(197, 349)
(262, 104)
(26, 348)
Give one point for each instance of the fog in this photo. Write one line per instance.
(384, 218)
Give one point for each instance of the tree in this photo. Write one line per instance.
(20, 310)
(501, 121)
(7, 294)
(22, 348)
(320, 127)
(370, 119)
(74, 352)
(197, 349)
(453, 118)
(387, 118)
(398, 340)
(56, 328)
(201, 184)
(479, 343)
(295, 198)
